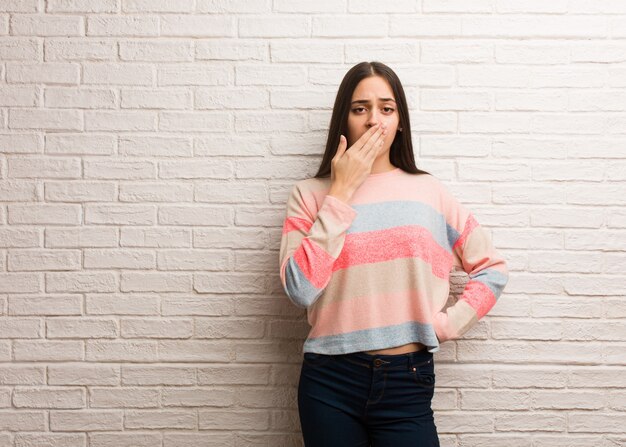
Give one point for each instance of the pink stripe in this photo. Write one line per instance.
(470, 224)
(408, 241)
(316, 264)
(479, 297)
(296, 223)
(368, 312)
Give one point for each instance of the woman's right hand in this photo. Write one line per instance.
(350, 167)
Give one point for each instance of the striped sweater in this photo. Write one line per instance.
(374, 273)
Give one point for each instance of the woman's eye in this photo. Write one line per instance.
(361, 108)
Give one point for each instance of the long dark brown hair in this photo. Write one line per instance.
(401, 151)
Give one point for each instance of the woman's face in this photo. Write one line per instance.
(373, 102)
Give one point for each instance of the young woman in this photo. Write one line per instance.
(367, 248)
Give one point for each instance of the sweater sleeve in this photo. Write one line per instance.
(472, 250)
(310, 244)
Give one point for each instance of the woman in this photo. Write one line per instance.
(368, 251)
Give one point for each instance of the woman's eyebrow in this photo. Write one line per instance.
(366, 101)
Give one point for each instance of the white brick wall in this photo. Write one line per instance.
(146, 151)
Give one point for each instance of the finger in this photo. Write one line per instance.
(366, 136)
(343, 143)
(372, 139)
(376, 149)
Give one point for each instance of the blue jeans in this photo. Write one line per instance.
(361, 400)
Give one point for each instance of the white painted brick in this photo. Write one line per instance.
(81, 282)
(82, 6)
(19, 6)
(222, 25)
(193, 260)
(20, 283)
(18, 190)
(227, 283)
(125, 439)
(81, 328)
(155, 282)
(121, 351)
(84, 374)
(12, 420)
(119, 121)
(80, 144)
(156, 192)
(50, 397)
(119, 259)
(79, 191)
(120, 214)
(229, 49)
(20, 238)
(193, 169)
(84, 98)
(122, 304)
(131, 6)
(163, 419)
(124, 397)
(228, 238)
(122, 170)
(46, 25)
(148, 146)
(155, 237)
(162, 328)
(23, 49)
(193, 74)
(194, 351)
(157, 51)
(156, 99)
(86, 420)
(217, 99)
(48, 72)
(158, 375)
(214, 419)
(293, 26)
(233, 328)
(22, 375)
(20, 328)
(123, 26)
(45, 119)
(18, 96)
(80, 49)
(48, 167)
(193, 121)
(21, 143)
(117, 73)
(41, 351)
(172, 439)
(42, 260)
(50, 439)
(197, 397)
(80, 237)
(6, 354)
(45, 305)
(195, 215)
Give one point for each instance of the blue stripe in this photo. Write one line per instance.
(385, 215)
(493, 279)
(376, 338)
(299, 289)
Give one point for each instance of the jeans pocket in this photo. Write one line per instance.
(423, 373)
